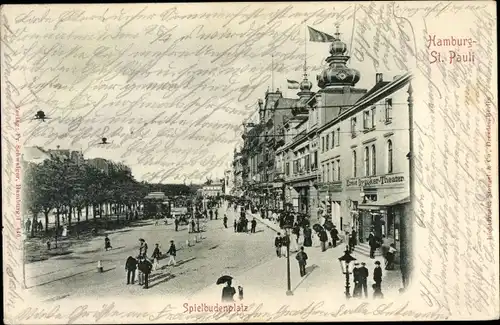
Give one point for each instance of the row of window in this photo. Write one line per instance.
(335, 171)
(305, 164)
(370, 160)
(369, 123)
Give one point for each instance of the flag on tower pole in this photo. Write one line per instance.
(292, 84)
(317, 36)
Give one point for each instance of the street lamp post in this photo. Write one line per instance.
(289, 281)
(345, 260)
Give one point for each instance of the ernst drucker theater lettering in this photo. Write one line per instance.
(375, 181)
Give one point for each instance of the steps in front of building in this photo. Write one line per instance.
(364, 249)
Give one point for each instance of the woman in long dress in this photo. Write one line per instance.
(307, 237)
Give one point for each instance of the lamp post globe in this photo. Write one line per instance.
(345, 261)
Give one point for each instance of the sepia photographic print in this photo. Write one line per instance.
(246, 162)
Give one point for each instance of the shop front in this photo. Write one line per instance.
(377, 204)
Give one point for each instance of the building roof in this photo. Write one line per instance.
(378, 85)
(283, 103)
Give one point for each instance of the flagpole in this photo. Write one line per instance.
(272, 72)
(353, 26)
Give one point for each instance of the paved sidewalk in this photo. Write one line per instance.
(324, 279)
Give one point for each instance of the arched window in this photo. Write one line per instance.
(389, 156)
(367, 162)
(354, 164)
(374, 161)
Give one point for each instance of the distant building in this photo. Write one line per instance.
(99, 163)
(228, 182)
(35, 155)
(212, 190)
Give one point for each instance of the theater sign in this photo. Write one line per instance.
(376, 181)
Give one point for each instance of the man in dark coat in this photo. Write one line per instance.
(193, 225)
(235, 225)
(145, 267)
(277, 244)
(216, 214)
(211, 214)
(363, 278)
(302, 259)
(372, 241)
(254, 225)
(323, 237)
(334, 233)
(224, 221)
(176, 224)
(356, 279)
(377, 278)
(130, 267)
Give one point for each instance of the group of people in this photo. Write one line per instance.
(146, 265)
(360, 276)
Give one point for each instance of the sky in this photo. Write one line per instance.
(169, 86)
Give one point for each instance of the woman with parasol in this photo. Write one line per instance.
(228, 291)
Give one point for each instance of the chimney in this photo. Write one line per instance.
(378, 78)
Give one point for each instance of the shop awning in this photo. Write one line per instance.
(387, 201)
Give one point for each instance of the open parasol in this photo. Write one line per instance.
(317, 227)
(224, 279)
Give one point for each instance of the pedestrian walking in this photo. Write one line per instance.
(302, 259)
(377, 278)
(211, 214)
(145, 268)
(323, 238)
(334, 233)
(172, 252)
(372, 241)
(285, 241)
(143, 249)
(296, 231)
(216, 214)
(354, 238)
(193, 225)
(357, 283)
(307, 236)
(228, 292)
(235, 225)
(363, 278)
(107, 243)
(254, 225)
(176, 222)
(277, 244)
(156, 257)
(224, 221)
(130, 267)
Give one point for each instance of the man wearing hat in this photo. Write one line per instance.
(172, 252)
(357, 285)
(377, 278)
(363, 279)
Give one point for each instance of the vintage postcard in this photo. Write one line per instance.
(245, 162)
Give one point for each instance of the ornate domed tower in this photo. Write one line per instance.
(338, 74)
(305, 86)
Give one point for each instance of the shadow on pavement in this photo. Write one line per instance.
(185, 261)
(114, 267)
(162, 279)
(309, 270)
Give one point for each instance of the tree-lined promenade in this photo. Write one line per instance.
(77, 190)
